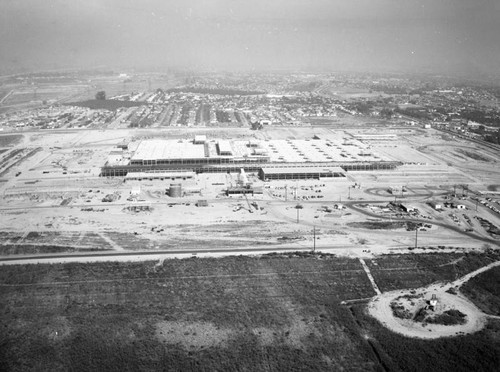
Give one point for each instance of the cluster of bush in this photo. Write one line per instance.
(399, 311)
(448, 317)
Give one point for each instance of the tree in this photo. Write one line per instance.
(386, 112)
(101, 95)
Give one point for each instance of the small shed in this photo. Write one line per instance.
(436, 205)
(136, 190)
(202, 203)
(200, 139)
(433, 301)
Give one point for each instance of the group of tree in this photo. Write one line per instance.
(101, 95)
(493, 137)
(417, 113)
(386, 113)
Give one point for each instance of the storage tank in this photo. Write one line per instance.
(175, 190)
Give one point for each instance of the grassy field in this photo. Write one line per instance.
(275, 312)
(484, 291)
(105, 104)
(398, 271)
(10, 140)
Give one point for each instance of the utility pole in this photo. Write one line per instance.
(416, 236)
(314, 240)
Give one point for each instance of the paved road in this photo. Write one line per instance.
(156, 255)
(432, 222)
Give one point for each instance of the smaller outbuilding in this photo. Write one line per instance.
(202, 203)
(298, 173)
(436, 205)
(200, 139)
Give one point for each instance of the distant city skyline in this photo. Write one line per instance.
(447, 36)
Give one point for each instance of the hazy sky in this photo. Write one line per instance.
(374, 35)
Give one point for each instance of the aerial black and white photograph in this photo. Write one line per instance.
(264, 185)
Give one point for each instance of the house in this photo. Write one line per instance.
(433, 302)
(407, 208)
(436, 205)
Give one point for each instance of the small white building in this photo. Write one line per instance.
(136, 190)
(433, 301)
(436, 205)
(200, 139)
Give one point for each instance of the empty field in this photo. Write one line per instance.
(10, 140)
(393, 272)
(274, 312)
(484, 291)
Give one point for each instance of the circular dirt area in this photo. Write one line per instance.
(408, 312)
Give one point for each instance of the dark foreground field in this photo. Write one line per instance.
(275, 312)
(484, 291)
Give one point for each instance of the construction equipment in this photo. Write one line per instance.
(248, 203)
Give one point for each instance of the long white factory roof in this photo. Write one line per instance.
(161, 149)
(278, 151)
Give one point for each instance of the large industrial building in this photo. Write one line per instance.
(298, 173)
(271, 159)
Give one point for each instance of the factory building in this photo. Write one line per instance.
(140, 176)
(298, 173)
(272, 159)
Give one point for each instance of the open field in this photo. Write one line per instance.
(10, 140)
(108, 104)
(273, 312)
(484, 291)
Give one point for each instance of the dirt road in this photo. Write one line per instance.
(380, 309)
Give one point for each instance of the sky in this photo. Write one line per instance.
(441, 36)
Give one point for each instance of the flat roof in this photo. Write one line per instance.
(224, 146)
(159, 174)
(161, 149)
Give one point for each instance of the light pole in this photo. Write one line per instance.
(314, 239)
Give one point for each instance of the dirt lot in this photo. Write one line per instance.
(58, 188)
